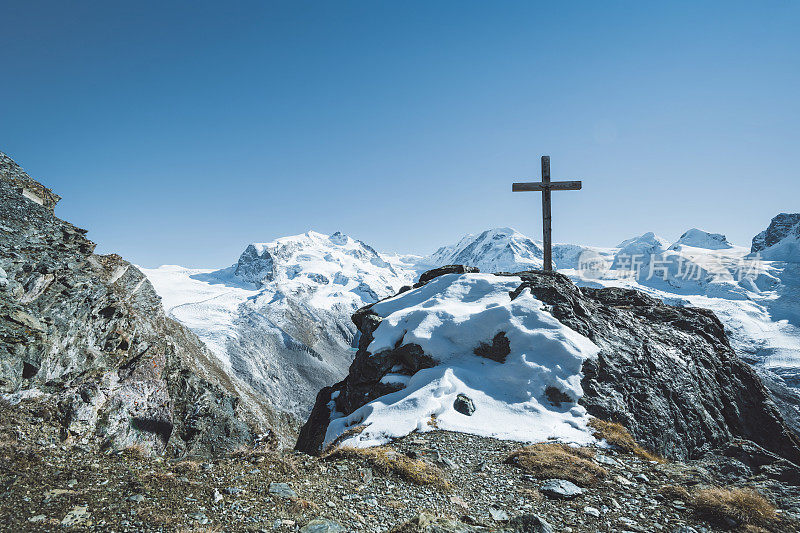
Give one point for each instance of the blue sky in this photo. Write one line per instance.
(179, 133)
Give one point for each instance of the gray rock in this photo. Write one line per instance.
(606, 460)
(136, 498)
(233, 490)
(528, 523)
(464, 405)
(561, 489)
(321, 525)
(641, 478)
(592, 511)
(441, 271)
(282, 489)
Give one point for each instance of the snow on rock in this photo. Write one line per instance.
(702, 239)
(450, 317)
(494, 250)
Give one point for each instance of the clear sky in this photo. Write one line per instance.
(177, 132)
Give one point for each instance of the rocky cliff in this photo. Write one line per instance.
(781, 240)
(667, 373)
(86, 334)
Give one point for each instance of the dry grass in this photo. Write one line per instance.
(273, 460)
(675, 492)
(741, 506)
(299, 506)
(556, 460)
(615, 434)
(349, 432)
(186, 466)
(135, 451)
(386, 460)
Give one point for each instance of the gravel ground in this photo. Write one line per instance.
(48, 485)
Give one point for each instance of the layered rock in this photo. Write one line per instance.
(88, 333)
(781, 240)
(667, 373)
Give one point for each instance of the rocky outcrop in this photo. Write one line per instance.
(782, 226)
(667, 373)
(88, 333)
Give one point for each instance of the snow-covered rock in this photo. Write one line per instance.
(526, 356)
(449, 319)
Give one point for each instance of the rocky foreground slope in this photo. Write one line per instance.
(86, 335)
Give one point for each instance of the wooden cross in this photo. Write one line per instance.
(545, 186)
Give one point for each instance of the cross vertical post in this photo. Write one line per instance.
(546, 217)
(545, 187)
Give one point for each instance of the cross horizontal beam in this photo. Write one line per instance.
(547, 186)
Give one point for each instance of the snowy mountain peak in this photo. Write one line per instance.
(648, 239)
(320, 257)
(698, 238)
(494, 250)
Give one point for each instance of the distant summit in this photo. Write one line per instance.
(494, 250)
(698, 238)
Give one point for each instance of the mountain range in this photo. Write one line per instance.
(279, 317)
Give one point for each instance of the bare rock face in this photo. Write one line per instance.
(88, 332)
(782, 226)
(667, 373)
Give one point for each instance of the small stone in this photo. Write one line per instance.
(72, 482)
(37, 518)
(321, 525)
(498, 515)
(365, 474)
(217, 496)
(459, 501)
(641, 478)
(282, 489)
(560, 488)
(684, 529)
(75, 516)
(623, 480)
(135, 498)
(207, 466)
(592, 511)
(233, 490)
(606, 460)
(197, 516)
(531, 523)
